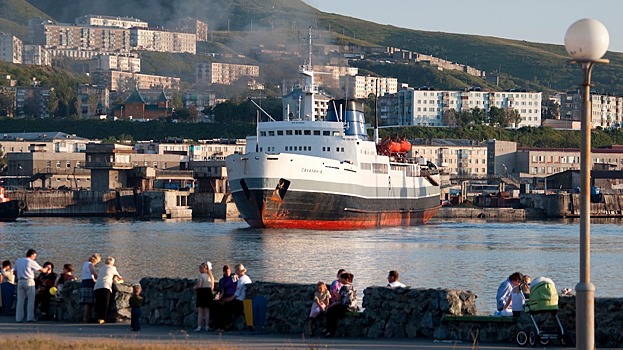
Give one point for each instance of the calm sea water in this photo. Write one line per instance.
(474, 255)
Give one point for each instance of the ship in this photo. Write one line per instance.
(324, 172)
(10, 210)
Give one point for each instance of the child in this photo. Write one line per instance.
(519, 295)
(525, 286)
(136, 301)
(322, 299)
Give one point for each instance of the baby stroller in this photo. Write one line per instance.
(542, 307)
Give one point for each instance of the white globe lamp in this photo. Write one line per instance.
(587, 40)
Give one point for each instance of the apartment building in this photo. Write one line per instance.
(329, 76)
(224, 73)
(94, 101)
(607, 110)
(151, 39)
(359, 86)
(123, 63)
(10, 48)
(75, 37)
(127, 81)
(427, 107)
(32, 101)
(36, 55)
(192, 25)
(528, 104)
(457, 157)
(506, 157)
(110, 21)
(51, 142)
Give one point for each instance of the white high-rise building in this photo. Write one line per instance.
(427, 107)
(10, 48)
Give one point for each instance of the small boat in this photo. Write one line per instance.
(10, 209)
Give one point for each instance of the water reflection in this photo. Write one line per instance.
(472, 255)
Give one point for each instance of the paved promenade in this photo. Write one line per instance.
(230, 340)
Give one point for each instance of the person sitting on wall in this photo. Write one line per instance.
(227, 307)
(503, 296)
(392, 279)
(347, 301)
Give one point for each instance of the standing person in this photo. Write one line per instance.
(136, 301)
(392, 279)
(233, 304)
(7, 287)
(204, 298)
(25, 271)
(334, 289)
(89, 276)
(347, 301)
(503, 296)
(107, 275)
(322, 299)
(44, 282)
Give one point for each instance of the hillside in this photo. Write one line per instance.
(237, 24)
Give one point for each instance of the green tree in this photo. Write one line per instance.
(514, 117)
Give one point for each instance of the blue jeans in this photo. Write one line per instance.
(135, 322)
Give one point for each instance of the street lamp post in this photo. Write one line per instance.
(586, 42)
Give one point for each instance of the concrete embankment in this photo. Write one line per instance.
(509, 214)
(388, 313)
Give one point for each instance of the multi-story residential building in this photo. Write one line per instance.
(32, 101)
(94, 101)
(192, 25)
(150, 39)
(359, 86)
(123, 63)
(528, 104)
(83, 38)
(506, 157)
(460, 157)
(110, 21)
(224, 73)
(329, 76)
(51, 142)
(10, 48)
(607, 110)
(292, 104)
(36, 55)
(127, 81)
(199, 99)
(428, 107)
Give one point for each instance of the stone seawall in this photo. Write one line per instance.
(388, 313)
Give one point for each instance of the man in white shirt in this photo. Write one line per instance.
(392, 278)
(25, 269)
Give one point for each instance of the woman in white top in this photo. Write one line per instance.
(89, 276)
(107, 275)
(205, 298)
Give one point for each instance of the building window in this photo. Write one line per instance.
(58, 164)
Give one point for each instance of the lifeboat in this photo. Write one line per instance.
(405, 146)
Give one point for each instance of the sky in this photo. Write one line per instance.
(543, 21)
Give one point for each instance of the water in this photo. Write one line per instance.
(474, 255)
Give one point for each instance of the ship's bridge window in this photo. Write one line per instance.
(336, 133)
(262, 133)
(326, 133)
(271, 133)
(307, 132)
(298, 132)
(279, 132)
(366, 166)
(317, 132)
(379, 168)
(288, 132)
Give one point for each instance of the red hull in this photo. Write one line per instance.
(359, 220)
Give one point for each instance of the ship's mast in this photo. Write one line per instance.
(309, 88)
